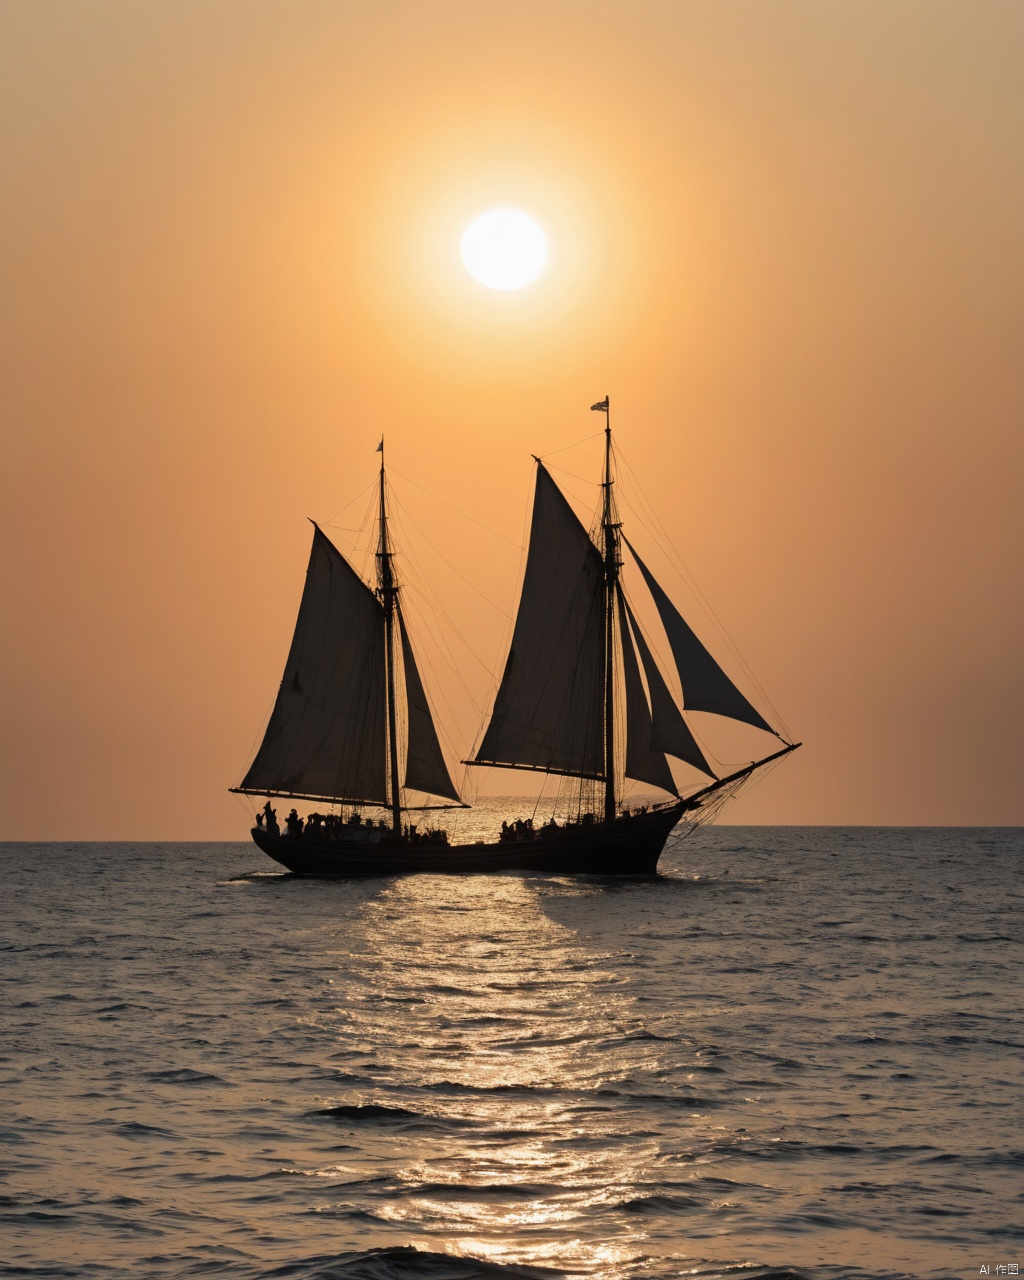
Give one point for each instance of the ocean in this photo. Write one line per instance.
(795, 1053)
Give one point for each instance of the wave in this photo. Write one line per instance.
(136, 1129)
(483, 1191)
(402, 1262)
(661, 1204)
(454, 1086)
(979, 1160)
(185, 1075)
(376, 1113)
(683, 1101)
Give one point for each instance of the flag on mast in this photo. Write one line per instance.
(380, 447)
(601, 406)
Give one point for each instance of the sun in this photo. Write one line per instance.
(504, 249)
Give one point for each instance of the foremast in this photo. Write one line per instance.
(612, 564)
(388, 591)
(333, 734)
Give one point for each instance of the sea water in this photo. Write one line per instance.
(796, 1052)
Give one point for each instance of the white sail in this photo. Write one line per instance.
(425, 768)
(326, 736)
(706, 687)
(549, 713)
(643, 762)
(669, 731)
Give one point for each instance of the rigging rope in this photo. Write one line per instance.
(449, 505)
(593, 436)
(371, 485)
(663, 539)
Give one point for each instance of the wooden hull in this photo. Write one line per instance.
(629, 846)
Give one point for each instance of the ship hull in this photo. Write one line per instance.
(629, 846)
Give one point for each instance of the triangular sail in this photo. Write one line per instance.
(548, 713)
(706, 687)
(669, 731)
(425, 768)
(643, 762)
(326, 737)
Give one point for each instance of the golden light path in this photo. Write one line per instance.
(504, 249)
(462, 994)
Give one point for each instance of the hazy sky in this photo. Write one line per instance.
(785, 237)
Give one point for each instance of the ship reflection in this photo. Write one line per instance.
(507, 1048)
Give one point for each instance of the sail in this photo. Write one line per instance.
(669, 731)
(549, 710)
(326, 737)
(425, 768)
(706, 687)
(642, 761)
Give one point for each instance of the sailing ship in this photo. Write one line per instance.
(582, 698)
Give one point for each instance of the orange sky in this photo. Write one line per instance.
(786, 239)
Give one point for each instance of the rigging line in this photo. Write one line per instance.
(758, 776)
(507, 629)
(437, 685)
(503, 612)
(662, 665)
(257, 740)
(247, 802)
(403, 513)
(593, 516)
(711, 811)
(465, 516)
(447, 655)
(594, 484)
(593, 436)
(539, 798)
(429, 627)
(672, 677)
(448, 751)
(661, 536)
(356, 554)
(431, 595)
(371, 485)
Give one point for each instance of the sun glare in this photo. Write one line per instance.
(504, 249)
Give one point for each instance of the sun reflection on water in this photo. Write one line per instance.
(497, 1038)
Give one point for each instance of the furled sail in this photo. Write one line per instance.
(669, 731)
(425, 768)
(706, 687)
(548, 713)
(326, 736)
(643, 762)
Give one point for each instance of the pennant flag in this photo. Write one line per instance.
(601, 405)
(380, 447)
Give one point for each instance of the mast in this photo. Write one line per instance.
(555, 707)
(611, 577)
(388, 592)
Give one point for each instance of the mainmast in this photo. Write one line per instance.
(555, 707)
(612, 563)
(388, 594)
